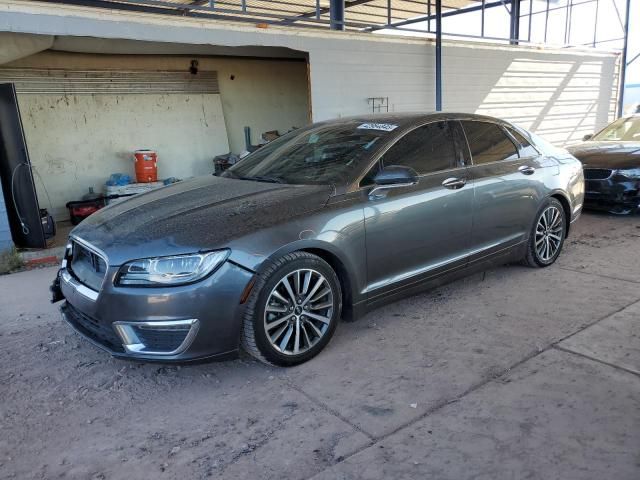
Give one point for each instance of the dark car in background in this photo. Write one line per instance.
(326, 222)
(611, 161)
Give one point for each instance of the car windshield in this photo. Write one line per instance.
(624, 129)
(322, 154)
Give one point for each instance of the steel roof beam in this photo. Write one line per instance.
(324, 11)
(426, 18)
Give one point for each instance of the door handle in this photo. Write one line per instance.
(454, 183)
(526, 170)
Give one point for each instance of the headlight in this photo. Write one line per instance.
(630, 173)
(170, 271)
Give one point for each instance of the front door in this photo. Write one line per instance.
(415, 232)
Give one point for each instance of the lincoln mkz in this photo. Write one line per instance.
(326, 222)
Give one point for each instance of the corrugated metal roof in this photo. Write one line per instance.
(358, 13)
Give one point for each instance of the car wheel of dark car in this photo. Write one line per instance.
(547, 236)
(293, 310)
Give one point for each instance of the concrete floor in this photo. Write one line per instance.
(517, 373)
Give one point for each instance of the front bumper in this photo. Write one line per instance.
(171, 324)
(612, 192)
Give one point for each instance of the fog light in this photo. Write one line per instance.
(157, 338)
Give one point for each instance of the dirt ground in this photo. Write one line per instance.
(514, 373)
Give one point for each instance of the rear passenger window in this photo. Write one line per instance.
(524, 146)
(488, 142)
(426, 149)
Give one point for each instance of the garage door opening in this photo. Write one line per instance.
(85, 115)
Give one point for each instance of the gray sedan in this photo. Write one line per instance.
(326, 222)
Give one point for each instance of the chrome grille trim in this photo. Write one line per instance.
(96, 251)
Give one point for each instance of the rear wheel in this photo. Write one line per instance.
(547, 236)
(293, 310)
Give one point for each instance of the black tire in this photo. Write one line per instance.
(254, 338)
(533, 258)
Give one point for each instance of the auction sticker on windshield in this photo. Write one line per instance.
(385, 127)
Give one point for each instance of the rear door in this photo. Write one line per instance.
(417, 231)
(506, 173)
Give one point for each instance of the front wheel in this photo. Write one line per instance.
(293, 310)
(547, 236)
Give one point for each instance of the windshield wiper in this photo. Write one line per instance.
(264, 178)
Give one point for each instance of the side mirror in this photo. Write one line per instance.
(587, 137)
(396, 175)
(393, 176)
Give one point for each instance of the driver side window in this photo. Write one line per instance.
(426, 149)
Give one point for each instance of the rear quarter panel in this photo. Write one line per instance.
(569, 182)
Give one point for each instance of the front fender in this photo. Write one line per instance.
(337, 230)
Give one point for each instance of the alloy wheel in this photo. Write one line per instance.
(549, 231)
(298, 311)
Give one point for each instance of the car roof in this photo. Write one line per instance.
(410, 119)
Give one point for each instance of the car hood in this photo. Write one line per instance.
(614, 155)
(200, 214)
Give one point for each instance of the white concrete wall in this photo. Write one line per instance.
(76, 142)
(561, 95)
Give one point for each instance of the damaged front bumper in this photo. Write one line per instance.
(617, 194)
(175, 324)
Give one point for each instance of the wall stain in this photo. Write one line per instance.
(204, 117)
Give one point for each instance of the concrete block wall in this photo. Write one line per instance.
(345, 73)
(559, 94)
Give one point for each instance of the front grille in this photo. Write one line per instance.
(87, 266)
(597, 173)
(161, 340)
(100, 332)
